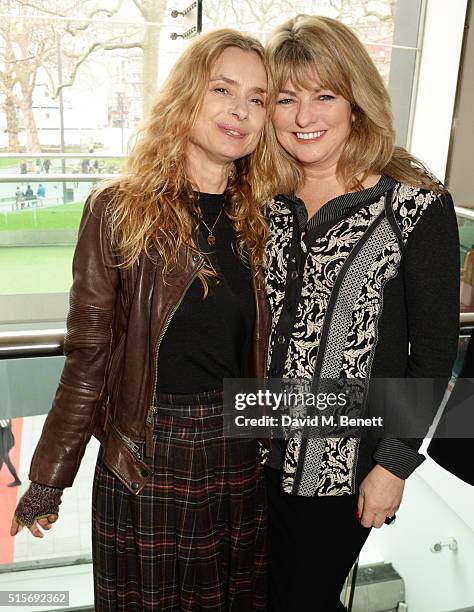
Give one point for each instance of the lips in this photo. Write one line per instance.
(232, 131)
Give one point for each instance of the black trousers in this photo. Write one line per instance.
(312, 545)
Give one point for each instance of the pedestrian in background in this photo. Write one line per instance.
(41, 194)
(7, 442)
(29, 196)
(19, 198)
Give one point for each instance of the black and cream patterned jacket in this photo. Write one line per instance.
(378, 296)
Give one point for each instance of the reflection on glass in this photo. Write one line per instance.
(25, 406)
(38, 232)
(372, 21)
(466, 239)
(70, 538)
(84, 87)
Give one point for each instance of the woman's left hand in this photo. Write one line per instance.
(380, 496)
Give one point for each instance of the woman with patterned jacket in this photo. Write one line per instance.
(166, 302)
(363, 272)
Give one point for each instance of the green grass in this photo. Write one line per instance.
(57, 149)
(63, 217)
(35, 269)
(9, 163)
(15, 162)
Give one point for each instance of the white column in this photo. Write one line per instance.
(442, 41)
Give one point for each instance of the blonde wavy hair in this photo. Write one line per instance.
(150, 204)
(310, 47)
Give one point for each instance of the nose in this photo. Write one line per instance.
(239, 108)
(306, 114)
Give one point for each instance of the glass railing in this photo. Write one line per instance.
(43, 209)
(424, 563)
(41, 202)
(62, 559)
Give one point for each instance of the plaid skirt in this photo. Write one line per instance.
(194, 538)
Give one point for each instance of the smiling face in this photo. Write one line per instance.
(232, 114)
(312, 124)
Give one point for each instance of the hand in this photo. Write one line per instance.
(46, 523)
(38, 507)
(380, 495)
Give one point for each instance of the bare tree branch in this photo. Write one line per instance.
(142, 8)
(91, 49)
(42, 9)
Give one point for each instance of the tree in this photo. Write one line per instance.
(30, 47)
(37, 29)
(147, 39)
(9, 105)
(25, 49)
(152, 11)
(259, 17)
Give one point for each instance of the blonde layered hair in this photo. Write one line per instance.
(150, 205)
(309, 47)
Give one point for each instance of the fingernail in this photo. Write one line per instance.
(358, 515)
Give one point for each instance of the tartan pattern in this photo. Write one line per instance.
(194, 538)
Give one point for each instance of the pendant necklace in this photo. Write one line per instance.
(211, 239)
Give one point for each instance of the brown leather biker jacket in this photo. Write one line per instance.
(116, 321)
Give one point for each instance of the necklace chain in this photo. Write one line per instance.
(211, 239)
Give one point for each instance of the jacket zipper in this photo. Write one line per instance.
(152, 409)
(149, 430)
(135, 448)
(106, 417)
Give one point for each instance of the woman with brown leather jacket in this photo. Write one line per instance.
(165, 304)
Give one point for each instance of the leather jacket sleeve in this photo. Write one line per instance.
(87, 347)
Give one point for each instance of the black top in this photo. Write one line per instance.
(209, 339)
(431, 249)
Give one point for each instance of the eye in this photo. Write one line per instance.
(285, 101)
(257, 101)
(326, 97)
(221, 90)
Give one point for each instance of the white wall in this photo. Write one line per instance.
(432, 510)
(441, 49)
(436, 506)
(460, 175)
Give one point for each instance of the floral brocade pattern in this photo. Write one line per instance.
(277, 251)
(335, 475)
(290, 462)
(335, 259)
(324, 262)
